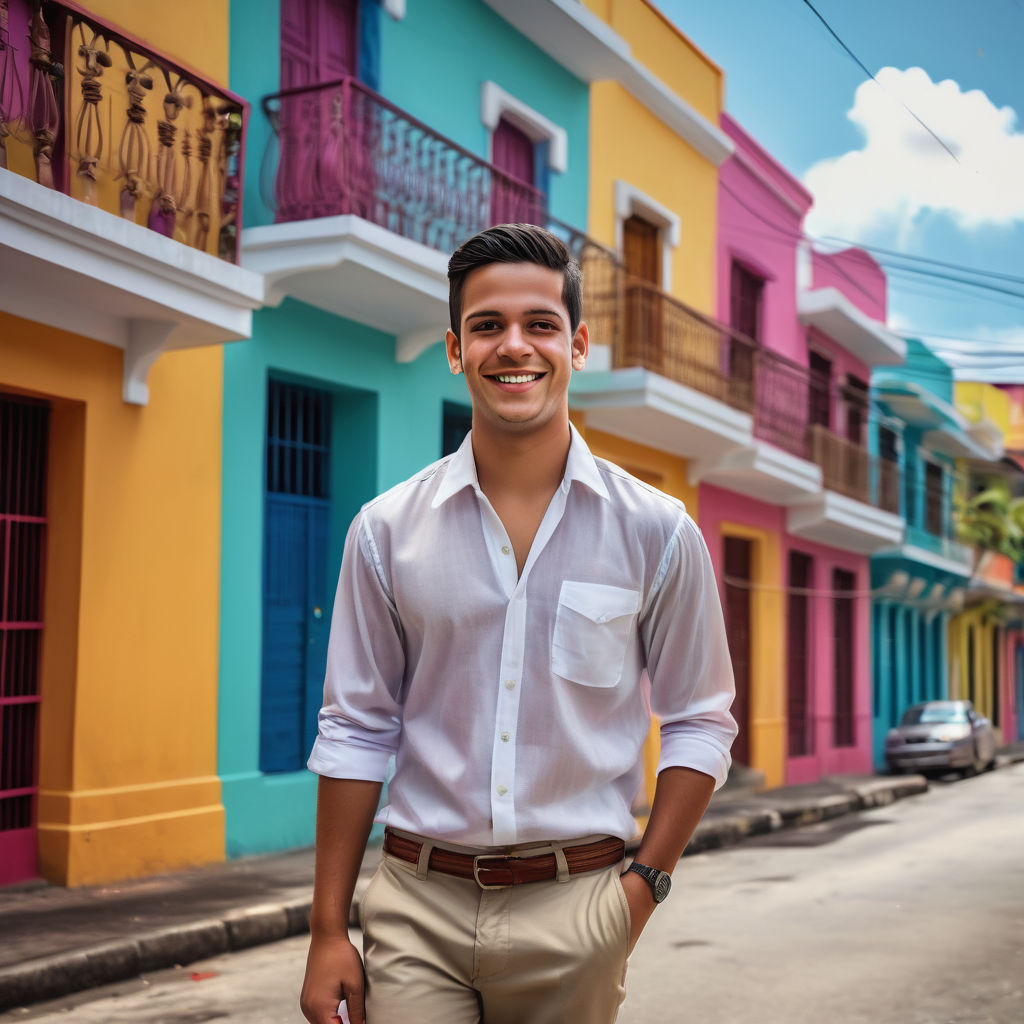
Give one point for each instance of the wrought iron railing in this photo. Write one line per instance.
(781, 414)
(90, 111)
(340, 148)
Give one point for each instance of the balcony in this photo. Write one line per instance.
(369, 203)
(120, 178)
(860, 505)
(662, 375)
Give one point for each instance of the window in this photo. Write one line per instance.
(456, 421)
(888, 470)
(820, 397)
(855, 400)
(934, 488)
(746, 292)
(632, 205)
(526, 147)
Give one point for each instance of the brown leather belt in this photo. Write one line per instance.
(498, 870)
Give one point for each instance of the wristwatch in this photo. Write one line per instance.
(659, 881)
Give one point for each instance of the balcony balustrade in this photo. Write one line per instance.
(849, 469)
(101, 117)
(340, 148)
(661, 334)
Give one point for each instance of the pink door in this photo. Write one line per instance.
(319, 44)
(24, 426)
(513, 195)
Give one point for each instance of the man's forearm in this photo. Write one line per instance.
(344, 816)
(680, 799)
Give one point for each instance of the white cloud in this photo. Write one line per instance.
(901, 174)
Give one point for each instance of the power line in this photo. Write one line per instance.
(864, 68)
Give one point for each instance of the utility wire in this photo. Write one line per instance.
(832, 32)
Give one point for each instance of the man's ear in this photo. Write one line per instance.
(580, 346)
(453, 348)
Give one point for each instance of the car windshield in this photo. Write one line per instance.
(942, 713)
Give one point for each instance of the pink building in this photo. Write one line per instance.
(793, 517)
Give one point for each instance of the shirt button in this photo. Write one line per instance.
(506, 550)
(510, 684)
(502, 790)
(505, 737)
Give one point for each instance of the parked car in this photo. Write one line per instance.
(940, 736)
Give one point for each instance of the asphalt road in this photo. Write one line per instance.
(911, 914)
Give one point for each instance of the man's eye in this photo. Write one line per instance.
(486, 325)
(544, 325)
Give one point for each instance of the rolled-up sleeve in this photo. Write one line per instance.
(361, 718)
(688, 661)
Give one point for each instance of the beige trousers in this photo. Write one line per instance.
(441, 950)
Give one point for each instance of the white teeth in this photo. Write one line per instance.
(522, 378)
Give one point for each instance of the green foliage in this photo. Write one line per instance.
(993, 520)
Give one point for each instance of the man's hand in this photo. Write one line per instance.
(641, 904)
(334, 971)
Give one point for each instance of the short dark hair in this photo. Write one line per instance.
(515, 243)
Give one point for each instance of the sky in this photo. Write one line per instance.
(879, 177)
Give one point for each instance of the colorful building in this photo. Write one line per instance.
(985, 638)
(793, 513)
(374, 166)
(120, 167)
(920, 584)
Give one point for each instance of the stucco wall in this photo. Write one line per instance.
(128, 733)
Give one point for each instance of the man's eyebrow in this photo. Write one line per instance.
(498, 313)
(484, 312)
(544, 312)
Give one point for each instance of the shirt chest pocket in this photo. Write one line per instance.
(593, 626)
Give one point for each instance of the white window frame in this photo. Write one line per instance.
(631, 202)
(496, 103)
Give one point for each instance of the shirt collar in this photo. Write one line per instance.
(461, 473)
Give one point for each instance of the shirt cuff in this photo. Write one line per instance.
(340, 760)
(685, 748)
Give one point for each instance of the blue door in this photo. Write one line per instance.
(296, 536)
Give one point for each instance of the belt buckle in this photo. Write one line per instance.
(490, 856)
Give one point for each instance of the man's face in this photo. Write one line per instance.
(517, 350)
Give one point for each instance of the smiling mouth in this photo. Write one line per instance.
(516, 378)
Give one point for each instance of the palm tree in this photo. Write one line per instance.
(993, 520)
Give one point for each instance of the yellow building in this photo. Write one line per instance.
(118, 197)
(986, 640)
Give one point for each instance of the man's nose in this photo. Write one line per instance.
(515, 342)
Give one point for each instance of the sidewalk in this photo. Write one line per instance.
(54, 941)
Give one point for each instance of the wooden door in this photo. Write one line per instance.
(319, 43)
(645, 331)
(513, 196)
(843, 657)
(798, 656)
(738, 562)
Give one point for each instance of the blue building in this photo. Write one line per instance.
(920, 584)
(383, 136)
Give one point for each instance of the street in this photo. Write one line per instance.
(912, 913)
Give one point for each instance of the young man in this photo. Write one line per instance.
(494, 618)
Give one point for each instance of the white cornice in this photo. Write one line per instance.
(581, 42)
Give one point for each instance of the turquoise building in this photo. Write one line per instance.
(380, 137)
(919, 585)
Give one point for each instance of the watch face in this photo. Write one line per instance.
(662, 886)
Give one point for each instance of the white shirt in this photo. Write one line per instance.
(517, 706)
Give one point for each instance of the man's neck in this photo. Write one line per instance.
(527, 465)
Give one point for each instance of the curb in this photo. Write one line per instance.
(51, 977)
